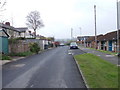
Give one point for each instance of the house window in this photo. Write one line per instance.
(19, 33)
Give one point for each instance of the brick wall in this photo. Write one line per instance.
(18, 47)
(23, 45)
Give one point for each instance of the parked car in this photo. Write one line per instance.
(73, 45)
(62, 44)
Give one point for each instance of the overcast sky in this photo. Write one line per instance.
(59, 16)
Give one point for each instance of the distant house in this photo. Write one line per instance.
(24, 32)
(82, 39)
(90, 42)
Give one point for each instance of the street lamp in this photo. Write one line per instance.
(80, 35)
(71, 34)
(118, 27)
(95, 27)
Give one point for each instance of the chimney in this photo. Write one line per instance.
(7, 23)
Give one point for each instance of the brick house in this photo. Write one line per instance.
(90, 42)
(109, 41)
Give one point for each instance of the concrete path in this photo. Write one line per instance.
(111, 58)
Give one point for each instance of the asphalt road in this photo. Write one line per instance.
(54, 68)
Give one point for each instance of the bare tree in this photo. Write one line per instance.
(2, 4)
(34, 21)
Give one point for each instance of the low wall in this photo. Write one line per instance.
(23, 45)
(18, 47)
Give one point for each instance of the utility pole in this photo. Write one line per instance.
(80, 31)
(95, 27)
(80, 35)
(71, 34)
(118, 27)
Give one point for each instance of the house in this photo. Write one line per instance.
(82, 39)
(90, 42)
(11, 31)
(24, 32)
(109, 41)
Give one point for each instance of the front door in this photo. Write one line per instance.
(110, 45)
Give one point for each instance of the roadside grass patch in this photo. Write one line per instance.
(98, 72)
(5, 57)
(22, 54)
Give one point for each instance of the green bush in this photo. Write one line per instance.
(34, 47)
(15, 40)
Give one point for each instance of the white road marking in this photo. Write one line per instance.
(18, 65)
(23, 80)
(70, 52)
(109, 55)
(118, 65)
(98, 55)
(31, 85)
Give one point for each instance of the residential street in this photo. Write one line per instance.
(54, 68)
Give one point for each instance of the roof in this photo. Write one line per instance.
(109, 36)
(7, 27)
(92, 38)
(22, 29)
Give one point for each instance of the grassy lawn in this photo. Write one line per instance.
(98, 72)
(107, 52)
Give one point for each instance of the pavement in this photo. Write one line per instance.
(54, 68)
(2, 62)
(15, 58)
(110, 58)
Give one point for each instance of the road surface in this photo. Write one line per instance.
(54, 68)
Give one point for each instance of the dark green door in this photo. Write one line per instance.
(4, 45)
(110, 45)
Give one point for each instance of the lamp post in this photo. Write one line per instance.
(118, 27)
(95, 27)
(80, 35)
(71, 34)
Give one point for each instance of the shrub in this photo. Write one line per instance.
(34, 47)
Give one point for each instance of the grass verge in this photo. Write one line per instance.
(5, 57)
(98, 72)
(23, 54)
